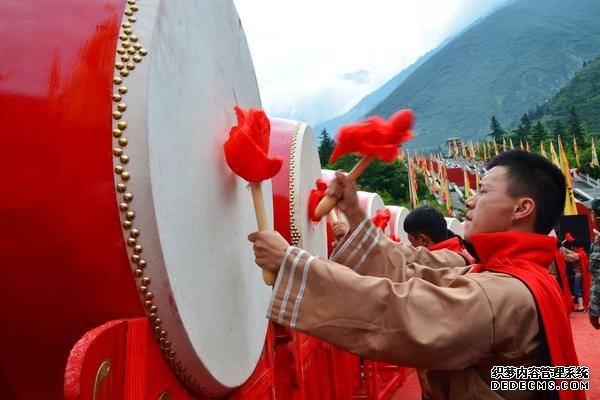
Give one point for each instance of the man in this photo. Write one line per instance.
(575, 267)
(425, 226)
(427, 309)
(594, 310)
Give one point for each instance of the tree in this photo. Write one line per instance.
(497, 131)
(524, 129)
(559, 129)
(575, 125)
(326, 147)
(539, 132)
(388, 179)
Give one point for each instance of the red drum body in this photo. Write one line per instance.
(116, 199)
(396, 225)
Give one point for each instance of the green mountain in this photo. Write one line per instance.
(511, 61)
(582, 92)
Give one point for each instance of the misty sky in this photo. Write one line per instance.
(315, 59)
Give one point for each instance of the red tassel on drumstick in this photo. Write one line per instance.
(372, 138)
(246, 153)
(315, 197)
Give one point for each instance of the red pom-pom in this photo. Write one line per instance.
(315, 198)
(381, 218)
(569, 237)
(374, 137)
(395, 238)
(247, 149)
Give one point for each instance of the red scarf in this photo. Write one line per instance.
(561, 266)
(526, 256)
(453, 244)
(585, 271)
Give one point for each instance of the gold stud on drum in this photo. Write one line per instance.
(134, 233)
(122, 125)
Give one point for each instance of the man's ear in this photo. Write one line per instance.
(423, 238)
(524, 208)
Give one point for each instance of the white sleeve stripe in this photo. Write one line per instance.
(360, 245)
(341, 249)
(364, 257)
(279, 278)
(288, 288)
(301, 292)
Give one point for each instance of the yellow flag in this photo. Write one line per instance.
(521, 145)
(495, 147)
(512, 147)
(570, 207)
(594, 162)
(542, 151)
(555, 160)
(477, 179)
(503, 143)
(576, 153)
(472, 151)
(527, 146)
(485, 155)
(467, 184)
(463, 149)
(456, 153)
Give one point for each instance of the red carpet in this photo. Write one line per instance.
(587, 342)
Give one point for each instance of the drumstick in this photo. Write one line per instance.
(262, 222)
(247, 154)
(372, 138)
(328, 202)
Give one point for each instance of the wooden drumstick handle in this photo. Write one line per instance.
(328, 202)
(262, 222)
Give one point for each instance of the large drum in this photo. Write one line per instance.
(295, 143)
(396, 225)
(455, 226)
(116, 199)
(370, 203)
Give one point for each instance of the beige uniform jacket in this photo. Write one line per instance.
(409, 306)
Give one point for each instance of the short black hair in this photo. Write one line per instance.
(426, 220)
(532, 175)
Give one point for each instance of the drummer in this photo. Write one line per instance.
(425, 226)
(410, 310)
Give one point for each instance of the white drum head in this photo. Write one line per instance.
(455, 226)
(192, 212)
(370, 203)
(396, 225)
(313, 236)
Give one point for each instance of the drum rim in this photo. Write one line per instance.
(129, 44)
